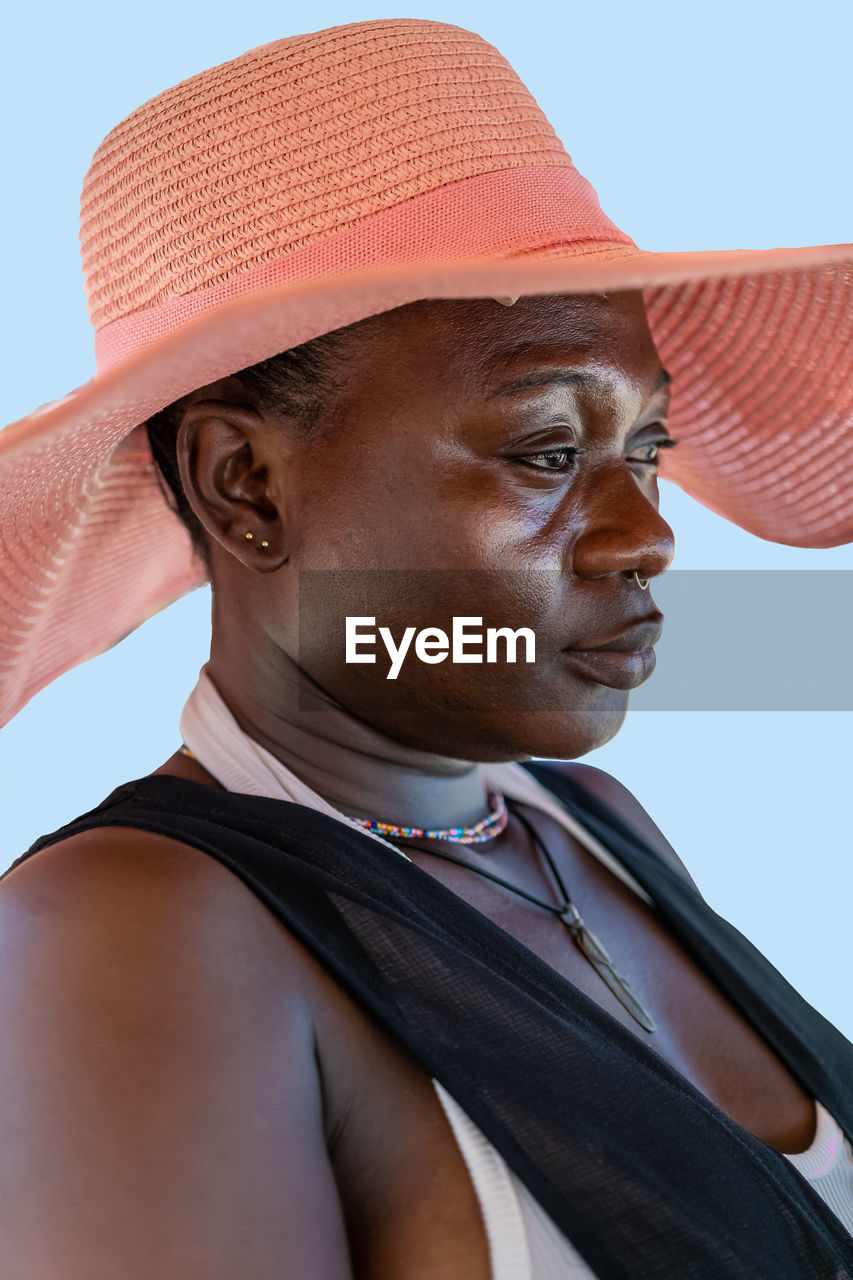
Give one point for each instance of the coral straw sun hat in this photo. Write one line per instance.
(326, 177)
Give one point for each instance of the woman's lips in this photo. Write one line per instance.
(618, 670)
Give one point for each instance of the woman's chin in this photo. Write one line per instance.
(549, 733)
(580, 735)
(556, 719)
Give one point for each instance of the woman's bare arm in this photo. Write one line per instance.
(160, 1108)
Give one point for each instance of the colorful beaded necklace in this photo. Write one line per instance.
(486, 829)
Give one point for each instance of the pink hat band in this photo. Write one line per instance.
(534, 208)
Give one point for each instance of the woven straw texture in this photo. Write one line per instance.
(327, 177)
(277, 149)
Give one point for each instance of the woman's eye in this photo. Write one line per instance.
(563, 459)
(554, 459)
(651, 452)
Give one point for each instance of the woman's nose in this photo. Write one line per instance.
(621, 529)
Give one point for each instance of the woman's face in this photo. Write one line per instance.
(491, 463)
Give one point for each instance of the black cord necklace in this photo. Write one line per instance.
(591, 946)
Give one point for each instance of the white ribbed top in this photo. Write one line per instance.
(524, 1242)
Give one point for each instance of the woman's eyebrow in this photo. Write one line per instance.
(542, 378)
(562, 377)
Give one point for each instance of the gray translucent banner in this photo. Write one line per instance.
(752, 640)
(732, 640)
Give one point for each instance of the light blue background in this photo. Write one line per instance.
(724, 126)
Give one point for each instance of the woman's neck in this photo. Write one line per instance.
(354, 767)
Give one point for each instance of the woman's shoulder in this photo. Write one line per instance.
(613, 793)
(137, 893)
(110, 850)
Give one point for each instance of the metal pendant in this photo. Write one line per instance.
(597, 955)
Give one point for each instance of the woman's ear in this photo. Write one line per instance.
(221, 451)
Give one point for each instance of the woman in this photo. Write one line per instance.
(399, 375)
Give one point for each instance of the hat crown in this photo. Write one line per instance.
(290, 143)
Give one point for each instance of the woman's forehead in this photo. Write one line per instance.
(483, 348)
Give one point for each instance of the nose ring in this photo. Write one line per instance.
(642, 583)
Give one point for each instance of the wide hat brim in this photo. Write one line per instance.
(759, 343)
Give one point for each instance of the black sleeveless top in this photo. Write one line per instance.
(645, 1176)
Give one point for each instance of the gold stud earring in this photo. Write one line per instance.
(265, 543)
(249, 535)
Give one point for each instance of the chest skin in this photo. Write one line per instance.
(409, 1203)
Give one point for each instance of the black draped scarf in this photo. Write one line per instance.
(645, 1176)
